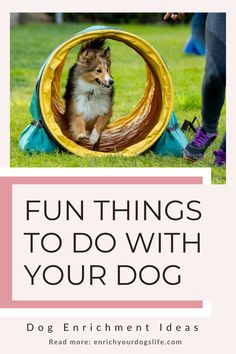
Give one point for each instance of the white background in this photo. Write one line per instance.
(221, 255)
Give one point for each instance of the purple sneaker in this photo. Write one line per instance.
(196, 148)
(220, 159)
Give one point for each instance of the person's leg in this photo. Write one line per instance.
(220, 155)
(213, 87)
(196, 42)
(199, 26)
(223, 144)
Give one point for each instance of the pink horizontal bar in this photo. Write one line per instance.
(105, 180)
(167, 304)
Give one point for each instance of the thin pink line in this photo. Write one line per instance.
(171, 304)
(105, 180)
(5, 240)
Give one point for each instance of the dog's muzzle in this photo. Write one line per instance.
(108, 84)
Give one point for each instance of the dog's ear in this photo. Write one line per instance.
(85, 56)
(107, 53)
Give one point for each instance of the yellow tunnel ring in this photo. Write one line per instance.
(124, 136)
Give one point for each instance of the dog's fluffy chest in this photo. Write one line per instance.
(92, 101)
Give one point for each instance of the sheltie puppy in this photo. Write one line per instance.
(89, 92)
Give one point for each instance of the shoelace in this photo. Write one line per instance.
(220, 157)
(200, 138)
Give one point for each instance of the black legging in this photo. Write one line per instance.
(213, 87)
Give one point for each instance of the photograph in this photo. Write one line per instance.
(118, 90)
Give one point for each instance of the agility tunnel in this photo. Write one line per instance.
(129, 135)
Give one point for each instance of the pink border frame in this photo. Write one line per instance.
(6, 243)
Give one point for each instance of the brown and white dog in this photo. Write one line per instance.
(89, 92)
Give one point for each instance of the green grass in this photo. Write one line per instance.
(32, 43)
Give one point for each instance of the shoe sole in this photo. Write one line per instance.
(186, 157)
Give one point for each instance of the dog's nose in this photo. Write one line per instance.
(111, 82)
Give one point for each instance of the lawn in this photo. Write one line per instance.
(32, 43)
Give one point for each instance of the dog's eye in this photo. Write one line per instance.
(99, 71)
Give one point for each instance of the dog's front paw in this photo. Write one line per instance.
(81, 136)
(94, 136)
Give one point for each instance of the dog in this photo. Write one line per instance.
(89, 92)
